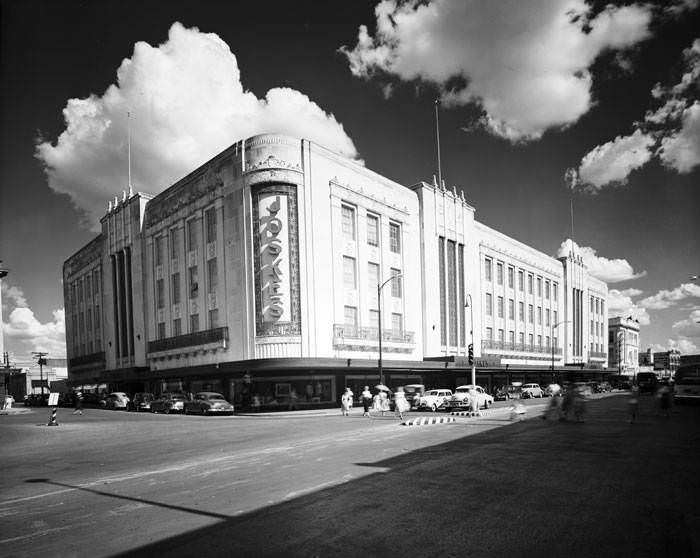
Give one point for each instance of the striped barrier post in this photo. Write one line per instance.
(52, 420)
(422, 421)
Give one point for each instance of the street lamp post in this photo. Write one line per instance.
(468, 303)
(380, 286)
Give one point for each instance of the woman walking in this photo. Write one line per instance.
(366, 401)
(346, 402)
(400, 402)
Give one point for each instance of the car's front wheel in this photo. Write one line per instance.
(433, 408)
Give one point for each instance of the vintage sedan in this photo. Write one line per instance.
(117, 400)
(141, 402)
(208, 403)
(169, 403)
(434, 399)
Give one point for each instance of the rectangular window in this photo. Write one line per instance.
(372, 230)
(350, 316)
(489, 334)
(511, 337)
(160, 294)
(161, 330)
(602, 309)
(530, 313)
(489, 304)
(373, 280)
(500, 306)
(396, 324)
(177, 327)
(511, 309)
(555, 291)
(521, 311)
(193, 282)
(349, 274)
(176, 288)
(98, 319)
(592, 305)
(521, 281)
(210, 220)
(194, 323)
(348, 217)
(554, 317)
(546, 342)
(529, 284)
(521, 338)
(511, 275)
(539, 315)
(213, 318)
(547, 318)
(395, 238)
(539, 287)
(530, 338)
(555, 341)
(499, 273)
(158, 250)
(597, 329)
(539, 341)
(212, 275)
(487, 270)
(396, 287)
(546, 290)
(96, 280)
(174, 244)
(597, 306)
(500, 336)
(592, 327)
(192, 234)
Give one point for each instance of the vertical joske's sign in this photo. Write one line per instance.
(276, 265)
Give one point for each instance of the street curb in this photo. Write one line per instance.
(422, 421)
(485, 412)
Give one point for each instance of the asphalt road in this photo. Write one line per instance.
(120, 484)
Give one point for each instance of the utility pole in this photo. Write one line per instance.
(41, 361)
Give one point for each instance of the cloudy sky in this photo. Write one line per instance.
(542, 103)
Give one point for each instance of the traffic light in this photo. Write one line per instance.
(471, 354)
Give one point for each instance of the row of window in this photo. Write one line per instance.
(597, 305)
(193, 231)
(521, 311)
(521, 338)
(597, 328)
(351, 319)
(83, 331)
(373, 277)
(194, 326)
(212, 281)
(84, 288)
(551, 289)
(372, 221)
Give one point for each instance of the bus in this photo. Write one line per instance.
(687, 383)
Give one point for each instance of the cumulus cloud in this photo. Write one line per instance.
(526, 64)
(24, 333)
(187, 103)
(666, 299)
(620, 304)
(608, 270)
(690, 327)
(671, 133)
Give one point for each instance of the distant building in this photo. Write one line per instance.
(666, 362)
(646, 358)
(688, 360)
(623, 345)
(257, 274)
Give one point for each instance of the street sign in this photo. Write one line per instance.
(53, 399)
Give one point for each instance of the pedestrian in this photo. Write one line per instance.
(78, 403)
(9, 400)
(567, 401)
(366, 401)
(633, 404)
(346, 402)
(552, 406)
(384, 402)
(293, 400)
(400, 403)
(664, 398)
(517, 411)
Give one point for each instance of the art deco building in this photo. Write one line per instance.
(257, 274)
(623, 345)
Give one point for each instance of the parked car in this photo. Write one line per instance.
(647, 381)
(413, 394)
(141, 402)
(117, 400)
(36, 400)
(505, 393)
(208, 403)
(531, 390)
(604, 387)
(169, 403)
(461, 399)
(434, 399)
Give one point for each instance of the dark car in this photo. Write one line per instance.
(169, 403)
(647, 381)
(141, 401)
(208, 403)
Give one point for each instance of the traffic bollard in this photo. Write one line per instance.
(52, 421)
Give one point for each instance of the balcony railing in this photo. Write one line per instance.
(342, 331)
(594, 354)
(206, 337)
(519, 347)
(93, 358)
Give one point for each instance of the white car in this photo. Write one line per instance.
(434, 399)
(462, 398)
(531, 390)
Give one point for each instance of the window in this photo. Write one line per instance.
(500, 307)
(555, 291)
(396, 288)
(546, 290)
(396, 324)
(511, 337)
(487, 270)
(489, 334)
(372, 230)
(529, 284)
(592, 305)
(499, 273)
(350, 316)
(500, 336)
(176, 288)
(98, 319)
(174, 244)
(177, 327)
(521, 281)
(530, 314)
(539, 341)
(158, 250)
(521, 311)
(160, 294)
(597, 306)
(349, 274)
(511, 275)
(373, 279)
(348, 217)
(395, 238)
(161, 330)
(213, 318)
(547, 316)
(530, 339)
(597, 329)
(592, 327)
(194, 323)
(602, 310)
(96, 281)
(521, 338)
(555, 341)
(539, 287)
(194, 284)
(212, 275)
(546, 342)
(192, 234)
(210, 220)
(489, 304)
(539, 315)
(554, 317)
(511, 309)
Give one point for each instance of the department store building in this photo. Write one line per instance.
(257, 274)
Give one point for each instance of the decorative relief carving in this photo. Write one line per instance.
(272, 162)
